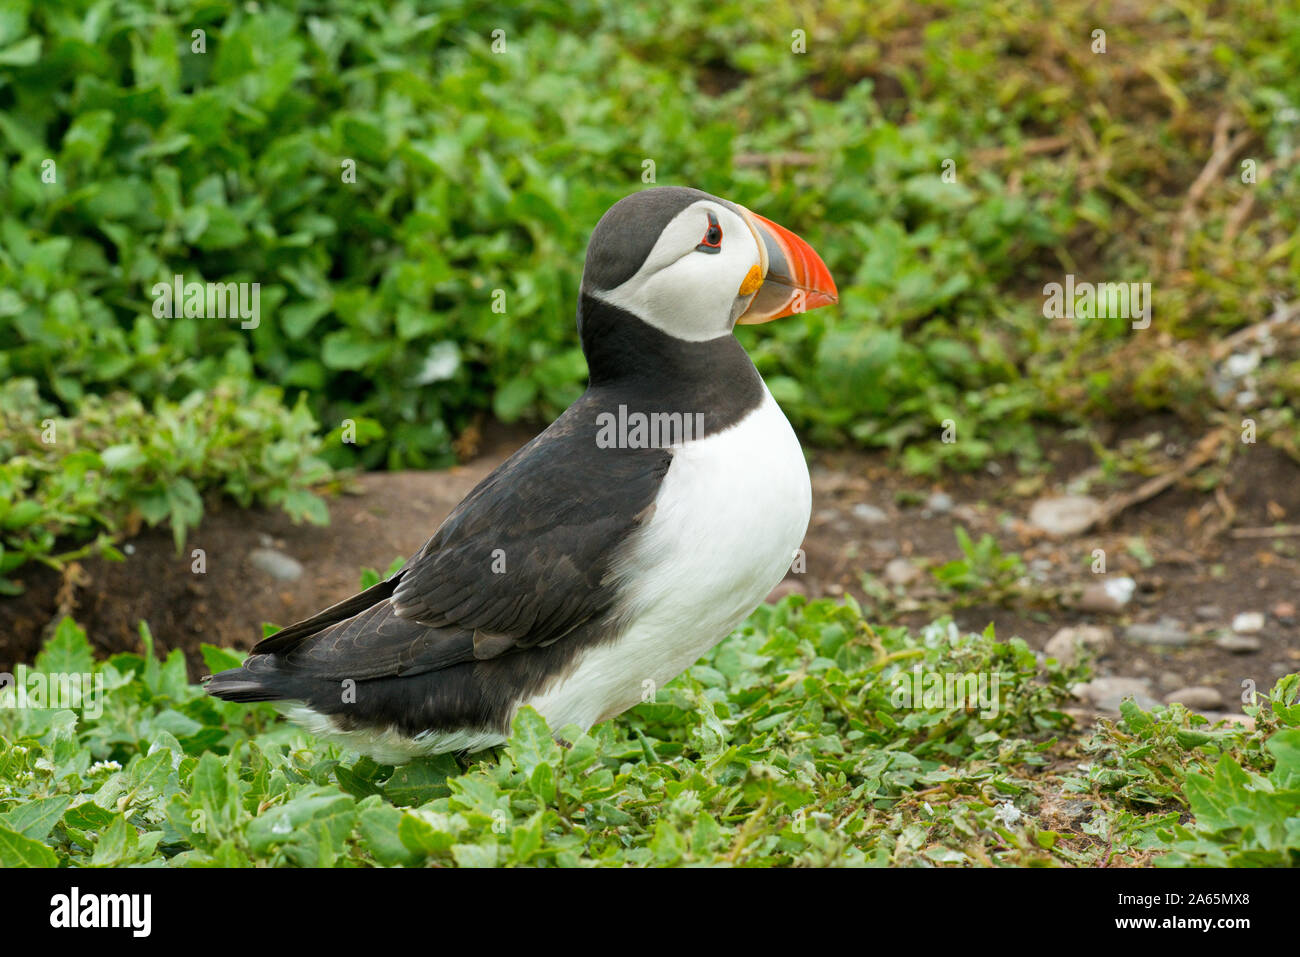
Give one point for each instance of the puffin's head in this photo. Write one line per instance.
(693, 265)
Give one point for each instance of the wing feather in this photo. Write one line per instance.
(508, 570)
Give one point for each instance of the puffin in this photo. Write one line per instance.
(609, 553)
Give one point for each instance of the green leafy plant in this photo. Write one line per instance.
(1236, 792)
(789, 745)
(1243, 816)
(983, 573)
(115, 465)
(783, 748)
(415, 206)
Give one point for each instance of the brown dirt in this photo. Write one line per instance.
(384, 516)
(389, 515)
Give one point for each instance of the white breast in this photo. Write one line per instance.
(729, 515)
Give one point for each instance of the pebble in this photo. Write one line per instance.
(1238, 644)
(1066, 515)
(1041, 567)
(1108, 693)
(1167, 632)
(870, 514)
(901, 571)
(1064, 646)
(1108, 596)
(1198, 698)
(1284, 611)
(883, 547)
(940, 503)
(1248, 623)
(1170, 680)
(1208, 612)
(1241, 364)
(276, 564)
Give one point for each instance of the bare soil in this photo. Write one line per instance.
(1202, 580)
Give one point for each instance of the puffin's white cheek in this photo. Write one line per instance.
(695, 303)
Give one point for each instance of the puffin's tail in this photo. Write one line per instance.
(250, 684)
(263, 679)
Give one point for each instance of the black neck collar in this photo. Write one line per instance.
(631, 362)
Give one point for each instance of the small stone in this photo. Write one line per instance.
(1065, 645)
(1108, 693)
(1208, 612)
(883, 547)
(1169, 680)
(1241, 364)
(1197, 698)
(1166, 632)
(1248, 623)
(1238, 644)
(276, 564)
(1066, 515)
(1108, 596)
(1284, 611)
(870, 514)
(940, 503)
(901, 571)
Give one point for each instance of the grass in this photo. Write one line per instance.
(788, 745)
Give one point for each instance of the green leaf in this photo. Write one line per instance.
(531, 744)
(421, 780)
(379, 832)
(220, 659)
(67, 652)
(37, 818)
(17, 850)
(513, 399)
(346, 349)
(23, 53)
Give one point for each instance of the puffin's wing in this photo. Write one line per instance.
(377, 644)
(522, 561)
(293, 635)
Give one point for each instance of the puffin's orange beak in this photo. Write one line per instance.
(794, 277)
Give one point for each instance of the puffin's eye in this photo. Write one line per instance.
(712, 241)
